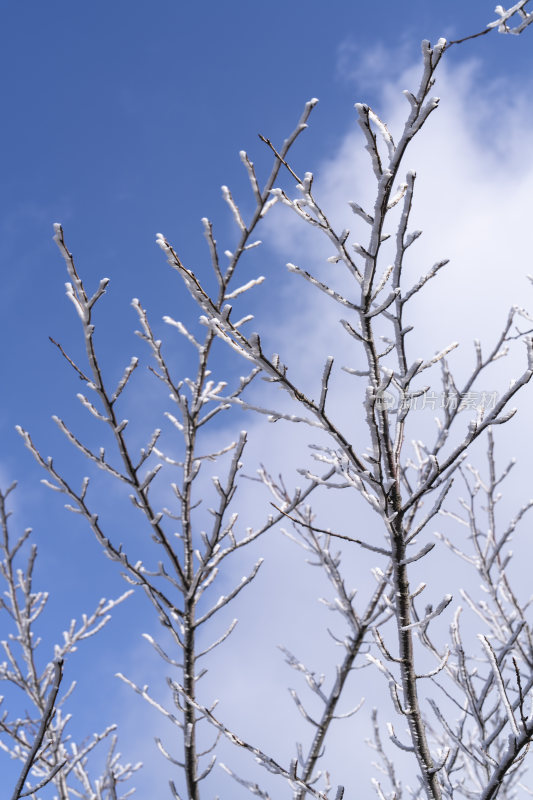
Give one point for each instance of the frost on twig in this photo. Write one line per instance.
(494, 715)
(38, 737)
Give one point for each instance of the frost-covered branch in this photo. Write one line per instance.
(47, 750)
(181, 579)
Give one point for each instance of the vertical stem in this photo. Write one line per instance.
(392, 505)
(45, 721)
(407, 669)
(189, 742)
(191, 758)
(344, 670)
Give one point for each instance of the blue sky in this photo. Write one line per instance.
(123, 119)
